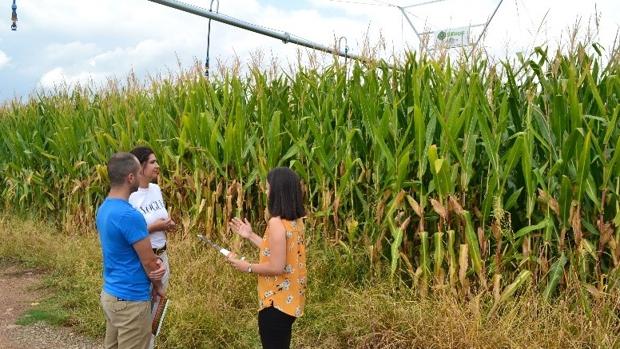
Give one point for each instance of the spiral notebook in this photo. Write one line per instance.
(159, 313)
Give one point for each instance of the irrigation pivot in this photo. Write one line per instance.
(284, 36)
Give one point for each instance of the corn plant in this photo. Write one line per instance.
(444, 170)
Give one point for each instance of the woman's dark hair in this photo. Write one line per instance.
(142, 153)
(285, 198)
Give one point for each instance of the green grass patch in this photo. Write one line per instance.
(49, 311)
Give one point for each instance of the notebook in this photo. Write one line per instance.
(159, 313)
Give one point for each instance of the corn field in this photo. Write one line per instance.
(454, 174)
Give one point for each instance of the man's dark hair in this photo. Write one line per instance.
(285, 197)
(120, 166)
(142, 153)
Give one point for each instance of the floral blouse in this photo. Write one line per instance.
(287, 291)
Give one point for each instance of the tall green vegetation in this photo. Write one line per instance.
(451, 174)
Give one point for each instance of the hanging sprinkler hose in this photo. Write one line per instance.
(217, 10)
(14, 17)
(346, 56)
(346, 48)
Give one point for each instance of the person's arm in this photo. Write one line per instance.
(277, 258)
(244, 229)
(151, 263)
(161, 225)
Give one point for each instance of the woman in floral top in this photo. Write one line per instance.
(281, 268)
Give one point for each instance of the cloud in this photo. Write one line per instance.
(58, 77)
(69, 51)
(85, 40)
(4, 59)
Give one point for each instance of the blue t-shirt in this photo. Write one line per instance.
(120, 226)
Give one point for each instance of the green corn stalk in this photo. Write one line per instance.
(473, 247)
(452, 261)
(438, 256)
(510, 290)
(425, 263)
(555, 275)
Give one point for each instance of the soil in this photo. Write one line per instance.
(20, 291)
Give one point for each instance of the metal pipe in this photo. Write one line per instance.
(284, 36)
(487, 25)
(217, 10)
(402, 9)
(422, 3)
(469, 26)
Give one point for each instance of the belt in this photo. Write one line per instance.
(159, 251)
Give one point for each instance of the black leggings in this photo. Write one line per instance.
(275, 328)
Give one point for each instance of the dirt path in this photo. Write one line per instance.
(18, 293)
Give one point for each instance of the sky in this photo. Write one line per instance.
(60, 42)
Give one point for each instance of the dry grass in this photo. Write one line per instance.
(375, 318)
(213, 307)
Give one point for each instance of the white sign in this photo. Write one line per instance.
(454, 37)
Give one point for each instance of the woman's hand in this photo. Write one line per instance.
(163, 224)
(239, 264)
(169, 224)
(241, 227)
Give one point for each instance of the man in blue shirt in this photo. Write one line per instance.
(129, 264)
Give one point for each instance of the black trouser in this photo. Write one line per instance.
(275, 328)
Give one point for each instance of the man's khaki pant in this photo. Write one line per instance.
(128, 324)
